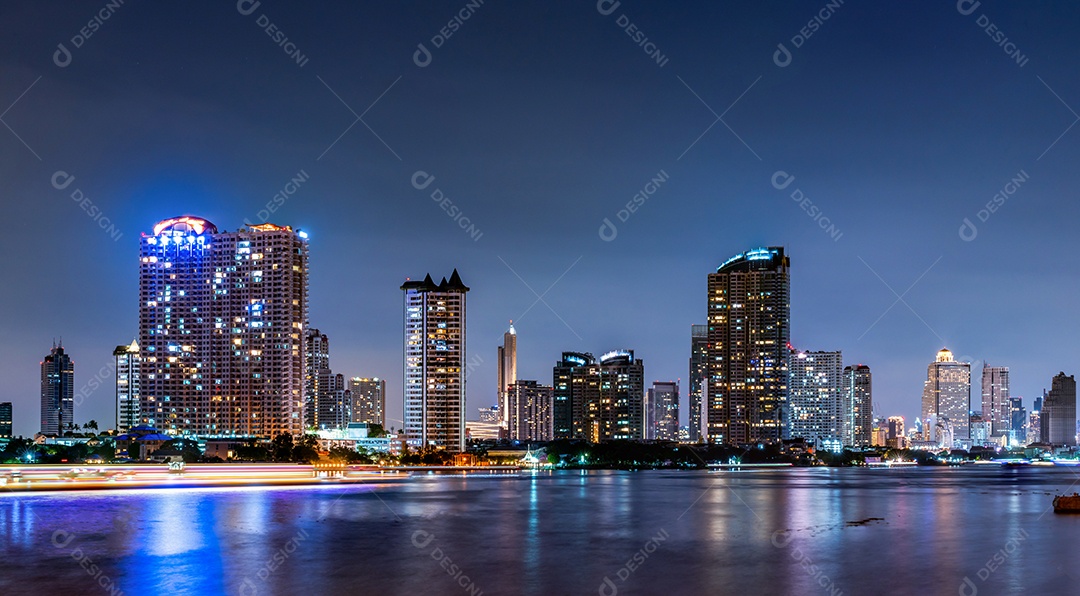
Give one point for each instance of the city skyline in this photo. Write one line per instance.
(898, 170)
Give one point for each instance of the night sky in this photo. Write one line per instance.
(538, 121)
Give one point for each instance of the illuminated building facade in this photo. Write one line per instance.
(1018, 421)
(599, 400)
(368, 400)
(946, 402)
(747, 353)
(5, 420)
(222, 317)
(57, 392)
(127, 359)
(815, 397)
(1058, 416)
(858, 405)
(529, 415)
(569, 387)
(995, 400)
(327, 404)
(434, 363)
(699, 374)
(507, 373)
(662, 411)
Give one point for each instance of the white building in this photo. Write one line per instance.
(947, 398)
(815, 397)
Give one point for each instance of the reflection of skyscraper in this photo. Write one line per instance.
(815, 402)
(127, 386)
(57, 392)
(435, 362)
(858, 405)
(699, 343)
(946, 402)
(1059, 411)
(662, 411)
(748, 335)
(507, 373)
(221, 326)
(995, 399)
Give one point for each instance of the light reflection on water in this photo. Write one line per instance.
(772, 531)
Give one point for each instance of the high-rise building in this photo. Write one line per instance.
(1035, 429)
(747, 352)
(946, 402)
(567, 384)
(699, 374)
(222, 317)
(128, 411)
(507, 373)
(1058, 416)
(601, 399)
(815, 398)
(529, 415)
(1017, 421)
(368, 400)
(321, 410)
(995, 400)
(57, 392)
(5, 420)
(662, 411)
(434, 376)
(858, 406)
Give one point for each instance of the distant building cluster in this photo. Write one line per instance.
(225, 351)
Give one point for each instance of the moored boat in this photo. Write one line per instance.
(1067, 503)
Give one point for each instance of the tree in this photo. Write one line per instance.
(376, 430)
(92, 425)
(305, 450)
(281, 448)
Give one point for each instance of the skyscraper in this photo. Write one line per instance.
(748, 336)
(368, 400)
(222, 317)
(662, 408)
(815, 398)
(699, 343)
(434, 376)
(128, 361)
(569, 391)
(602, 399)
(1017, 421)
(5, 420)
(1059, 411)
(529, 415)
(858, 406)
(946, 402)
(507, 373)
(57, 392)
(318, 381)
(995, 399)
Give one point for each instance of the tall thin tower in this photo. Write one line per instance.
(995, 399)
(57, 392)
(507, 376)
(748, 336)
(434, 368)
